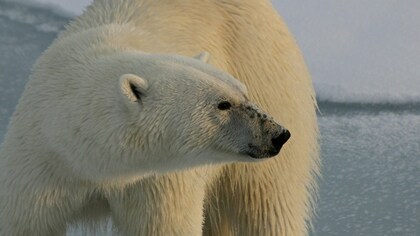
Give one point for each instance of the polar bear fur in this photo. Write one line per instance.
(96, 118)
(245, 38)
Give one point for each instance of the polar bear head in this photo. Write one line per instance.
(183, 111)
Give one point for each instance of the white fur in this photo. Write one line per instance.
(203, 56)
(128, 80)
(75, 147)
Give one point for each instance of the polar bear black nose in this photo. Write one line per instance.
(280, 140)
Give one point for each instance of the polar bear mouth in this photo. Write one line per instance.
(256, 156)
(258, 153)
(271, 149)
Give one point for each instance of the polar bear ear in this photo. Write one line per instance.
(203, 56)
(133, 87)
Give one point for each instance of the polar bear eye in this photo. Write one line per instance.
(225, 105)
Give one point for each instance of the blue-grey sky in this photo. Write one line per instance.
(357, 51)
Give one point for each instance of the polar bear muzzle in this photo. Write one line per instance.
(268, 137)
(256, 133)
(270, 148)
(279, 140)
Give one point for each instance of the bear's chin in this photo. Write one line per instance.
(254, 156)
(260, 155)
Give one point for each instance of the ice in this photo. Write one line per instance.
(22, 16)
(371, 173)
(62, 7)
(359, 51)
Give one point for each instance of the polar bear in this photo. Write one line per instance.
(96, 117)
(177, 197)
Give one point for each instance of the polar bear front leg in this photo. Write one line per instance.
(160, 205)
(37, 211)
